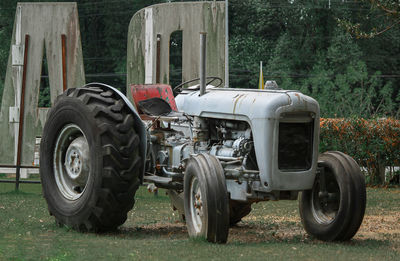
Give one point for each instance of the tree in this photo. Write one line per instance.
(7, 11)
(387, 11)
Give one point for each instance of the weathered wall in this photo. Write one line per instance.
(44, 23)
(190, 17)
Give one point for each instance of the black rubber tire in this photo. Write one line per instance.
(360, 194)
(214, 196)
(350, 184)
(115, 162)
(237, 211)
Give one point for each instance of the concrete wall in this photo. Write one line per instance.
(44, 23)
(190, 17)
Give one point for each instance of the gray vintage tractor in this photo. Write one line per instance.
(215, 150)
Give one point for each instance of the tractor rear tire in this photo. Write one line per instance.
(337, 214)
(90, 162)
(206, 200)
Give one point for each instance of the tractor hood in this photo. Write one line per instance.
(244, 104)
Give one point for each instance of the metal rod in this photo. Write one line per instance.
(224, 163)
(251, 171)
(171, 173)
(21, 114)
(22, 167)
(64, 60)
(21, 181)
(202, 69)
(226, 45)
(158, 63)
(229, 158)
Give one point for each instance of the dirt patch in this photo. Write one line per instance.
(379, 226)
(163, 230)
(269, 228)
(382, 227)
(281, 228)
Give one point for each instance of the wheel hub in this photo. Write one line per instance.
(76, 160)
(71, 162)
(325, 200)
(196, 205)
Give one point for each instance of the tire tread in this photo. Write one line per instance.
(120, 175)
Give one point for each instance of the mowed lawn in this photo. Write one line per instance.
(153, 231)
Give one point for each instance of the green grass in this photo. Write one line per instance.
(153, 232)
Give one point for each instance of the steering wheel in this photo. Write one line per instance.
(178, 88)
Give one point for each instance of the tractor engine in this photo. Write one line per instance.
(227, 140)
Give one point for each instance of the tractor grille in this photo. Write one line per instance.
(295, 146)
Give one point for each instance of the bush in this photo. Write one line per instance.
(374, 144)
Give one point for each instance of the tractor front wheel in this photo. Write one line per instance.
(334, 208)
(206, 200)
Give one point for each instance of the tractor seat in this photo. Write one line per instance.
(155, 100)
(157, 107)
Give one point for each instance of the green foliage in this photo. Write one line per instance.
(340, 77)
(175, 58)
(374, 144)
(1, 90)
(309, 52)
(6, 15)
(384, 14)
(44, 97)
(104, 29)
(44, 89)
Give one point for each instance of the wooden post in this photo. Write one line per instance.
(21, 114)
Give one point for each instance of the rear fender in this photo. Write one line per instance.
(139, 125)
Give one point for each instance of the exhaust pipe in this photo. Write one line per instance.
(202, 69)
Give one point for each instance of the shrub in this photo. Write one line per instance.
(374, 144)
